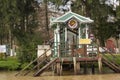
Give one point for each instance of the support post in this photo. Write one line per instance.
(100, 64)
(78, 67)
(58, 69)
(74, 63)
(93, 68)
(79, 36)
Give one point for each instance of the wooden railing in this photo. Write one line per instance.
(35, 60)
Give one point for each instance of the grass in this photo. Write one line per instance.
(115, 58)
(10, 63)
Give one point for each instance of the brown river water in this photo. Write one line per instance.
(49, 76)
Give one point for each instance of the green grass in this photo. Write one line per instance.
(115, 58)
(10, 63)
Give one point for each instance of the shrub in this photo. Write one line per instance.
(9, 64)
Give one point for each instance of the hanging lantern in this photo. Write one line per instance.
(72, 23)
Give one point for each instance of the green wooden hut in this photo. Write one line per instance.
(70, 33)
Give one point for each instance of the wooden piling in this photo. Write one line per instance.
(93, 68)
(78, 67)
(100, 64)
(58, 68)
(74, 63)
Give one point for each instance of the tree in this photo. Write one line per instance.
(100, 12)
(25, 30)
(103, 29)
(18, 24)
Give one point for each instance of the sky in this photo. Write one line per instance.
(115, 3)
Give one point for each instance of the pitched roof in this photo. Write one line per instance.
(70, 15)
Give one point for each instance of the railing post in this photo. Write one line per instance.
(100, 63)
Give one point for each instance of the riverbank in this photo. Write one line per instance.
(12, 63)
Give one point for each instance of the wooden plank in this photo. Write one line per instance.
(44, 67)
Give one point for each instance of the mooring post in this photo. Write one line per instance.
(78, 67)
(74, 63)
(100, 63)
(58, 68)
(93, 68)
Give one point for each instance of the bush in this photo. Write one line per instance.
(2, 56)
(9, 64)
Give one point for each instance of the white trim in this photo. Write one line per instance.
(86, 31)
(65, 34)
(88, 20)
(83, 17)
(79, 36)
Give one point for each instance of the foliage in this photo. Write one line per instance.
(18, 25)
(99, 11)
(2, 56)
(9, 64)
(115, 57)
(28, 49)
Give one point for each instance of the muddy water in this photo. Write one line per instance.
(47, 76)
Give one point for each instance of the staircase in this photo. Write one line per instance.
(43, 59)
(110, 62)
(111, 65)
(41, 70)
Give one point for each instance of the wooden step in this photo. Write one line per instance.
(44, 67)
(111, 65)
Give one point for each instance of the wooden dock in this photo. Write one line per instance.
(76, 62)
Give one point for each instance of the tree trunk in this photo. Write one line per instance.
(46, 15)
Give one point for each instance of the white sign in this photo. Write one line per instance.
(42, 49)
(3, 49)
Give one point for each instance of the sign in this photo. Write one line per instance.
(85, 41)
(42, 49)
(91, 36)
(72, 23)
(3, 49)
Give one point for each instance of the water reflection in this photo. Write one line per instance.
(49, 76)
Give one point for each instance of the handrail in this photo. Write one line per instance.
(113, 56)
(112, 65)
(111, 60)
(32, 62)
(37, 64)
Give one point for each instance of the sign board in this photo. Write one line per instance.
(85, 41)
(42, 48)
(72, 23)
(3, 49)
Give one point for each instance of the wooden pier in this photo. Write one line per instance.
(76, 63)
